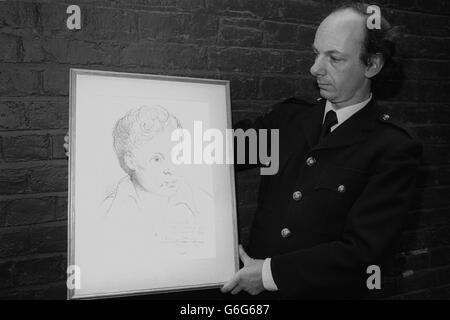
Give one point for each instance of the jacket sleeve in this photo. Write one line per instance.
(373, 223)
(267, 121)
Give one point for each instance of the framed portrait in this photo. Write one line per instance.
(152, 208)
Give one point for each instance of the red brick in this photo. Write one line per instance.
(15, 14)
(70, 51)
(13, 243)
(58, 151)
(244, 60)
(10, 49)
(39, 270)
(29, 211)
(5, 275)
(18, 82)
(443, 275)
(433, 134)
(288, 35)
(48, 239)
(420, 23)
(240, 32)
(424, 47)
(169, 56)
(427, 176)
(253, 8)
(13, 181)
(306, 11)
(93, 53)
(23, 148)
(38, 49)
(418, 280)
(413, 90)
(242, 87)
(426, 69)
(295, 62)
(165, 5)
(431, 198)
(307, 88)
(48, 115)
(48, 178)
(429, 5)
(53, 18)
(178, 26)
(56, 81)
(440, 236)
(427, 218)
(101, 23)
(12, 115)
(440, 293)
(436, 153)
(276, 88)
(440, 257)
(61, 208)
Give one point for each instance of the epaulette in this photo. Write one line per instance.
(388, 119)
(293, 100)
(310, 101)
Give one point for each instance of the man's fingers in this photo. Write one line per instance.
(244, 257)
(227, 287)
(66, 138)
(236, 289)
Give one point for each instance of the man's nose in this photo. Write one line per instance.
(317, 68)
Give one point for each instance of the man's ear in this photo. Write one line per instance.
(129, 160)
(374, 65)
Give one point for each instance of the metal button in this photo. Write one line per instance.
(297, 195)
(341, 188)
(311, 161)
(385, 117)
(285, 232)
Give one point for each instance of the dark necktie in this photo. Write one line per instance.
(330, 120)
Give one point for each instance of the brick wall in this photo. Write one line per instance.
(262, 46)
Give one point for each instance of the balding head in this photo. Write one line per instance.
(341, 75)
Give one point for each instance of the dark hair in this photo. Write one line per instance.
(376, 41)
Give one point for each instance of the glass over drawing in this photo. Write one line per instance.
(138, 221)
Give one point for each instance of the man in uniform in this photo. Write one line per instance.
(345, 178)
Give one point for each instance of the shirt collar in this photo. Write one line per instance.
(346, 112)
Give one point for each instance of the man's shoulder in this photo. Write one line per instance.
(394, 127)
(392, 134)
(297, 103)
(288, 108)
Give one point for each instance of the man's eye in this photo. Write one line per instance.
(333, 59)
(156, 159)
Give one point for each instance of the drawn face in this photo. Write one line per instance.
(339, 71)
(153, 167)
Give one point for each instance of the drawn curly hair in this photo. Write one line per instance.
(139, 126)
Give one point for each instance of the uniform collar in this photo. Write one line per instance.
(351, 131)
(344, 113)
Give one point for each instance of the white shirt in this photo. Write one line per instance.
(345, 112)
(342, 114)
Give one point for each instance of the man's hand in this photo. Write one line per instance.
(66, 143)
(249, 278)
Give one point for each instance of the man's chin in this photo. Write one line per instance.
(325, 94)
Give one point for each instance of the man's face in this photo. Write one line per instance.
(153, 167)
(338, 69)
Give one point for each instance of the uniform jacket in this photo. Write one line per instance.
(334, 207)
